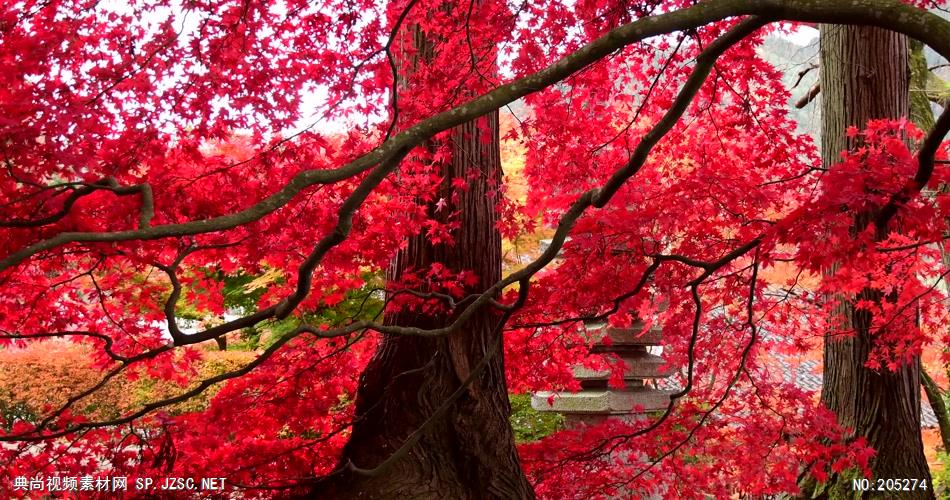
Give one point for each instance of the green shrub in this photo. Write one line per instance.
(530, 424)
(941, 476)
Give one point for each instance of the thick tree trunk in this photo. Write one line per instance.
(469, 452)
(864, 75)
(450, 392)
(922, 115)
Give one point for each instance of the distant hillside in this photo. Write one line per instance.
(791, 59)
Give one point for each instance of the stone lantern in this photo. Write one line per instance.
(597, 401)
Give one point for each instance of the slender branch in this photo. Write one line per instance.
(802, 73)
(106, 340)
(149, 407)
(743, 358)
(925, 169)
(808, 97)
(938, 405)
(146, 213)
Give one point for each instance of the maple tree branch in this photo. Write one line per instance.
(149, 407)
(911, 246)
(387, 155)
(646, 97)
(704, 64)
(925, 167)
(638, 287)
(888, 14)
(708, 266)
(147, 210)
(809, 96)
(126, 74)
(127, 362)
(107, 340)
(172, 272)
(473, 59)
(172, 300)
(342, 229)
(743, 358)
(101, 299)
(908, 307)
(804, 173)
(304, 274)
(45, 423)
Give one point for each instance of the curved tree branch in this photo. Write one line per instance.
(888, 14)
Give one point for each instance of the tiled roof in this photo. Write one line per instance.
(807, 375)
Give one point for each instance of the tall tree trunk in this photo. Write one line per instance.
(864, 75)
(938, 405)
(469, 450)
(922, 115)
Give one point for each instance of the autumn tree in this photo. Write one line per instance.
(865, 76)
(325, 177)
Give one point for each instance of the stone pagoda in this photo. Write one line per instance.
(596, 401)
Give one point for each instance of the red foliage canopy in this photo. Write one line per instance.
(152, 148)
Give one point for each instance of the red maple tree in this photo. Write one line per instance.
(169, 178)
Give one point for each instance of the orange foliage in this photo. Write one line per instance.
(42, 377)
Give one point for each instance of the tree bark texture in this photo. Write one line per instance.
(922, 115)
(864, 76)
(469, 450)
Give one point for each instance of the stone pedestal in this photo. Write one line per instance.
(596, 401)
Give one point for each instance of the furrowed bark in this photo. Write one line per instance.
(865, 75)
(469, 451)
(938, 405)
(922, 115)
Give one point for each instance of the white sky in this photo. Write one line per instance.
(802, 36)
(314, 102)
